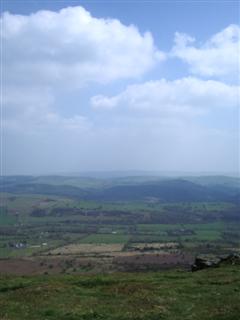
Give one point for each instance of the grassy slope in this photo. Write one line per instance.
(209, 294)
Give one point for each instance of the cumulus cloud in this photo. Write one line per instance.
(72, 48)
(186, 96)
(47, 53)
(217, 57)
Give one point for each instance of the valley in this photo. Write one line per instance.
(44, 233)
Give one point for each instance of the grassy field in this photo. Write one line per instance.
(7, 220)
(201, 232)
(106, 238)
(172, 295)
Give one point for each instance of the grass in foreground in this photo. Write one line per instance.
(212, 294)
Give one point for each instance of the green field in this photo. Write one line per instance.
(202, 232)
(5, 218)
(105, 238)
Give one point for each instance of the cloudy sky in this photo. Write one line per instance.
(120, 85)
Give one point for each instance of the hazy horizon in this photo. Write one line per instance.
(119, 87)
(129, 173)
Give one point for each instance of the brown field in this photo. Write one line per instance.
(112, 250)
(154, 246)
(121, 261)
(54, 265)
(87, 249)
(94, 258)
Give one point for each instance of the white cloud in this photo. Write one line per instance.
(186, 96)
(217, 57)
(72, 48)
(47, 53)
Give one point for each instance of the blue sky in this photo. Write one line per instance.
(201, 18)
(120, 85)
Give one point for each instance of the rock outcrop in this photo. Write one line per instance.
(203, 262)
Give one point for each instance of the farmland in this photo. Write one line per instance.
(38, 228)
(79, 256)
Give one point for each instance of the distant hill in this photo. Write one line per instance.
(177, 190)
(219, 188)
(46, 189)
(226, 181)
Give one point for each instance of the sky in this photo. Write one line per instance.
(120, 85)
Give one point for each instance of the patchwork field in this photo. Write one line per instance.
(42, 234)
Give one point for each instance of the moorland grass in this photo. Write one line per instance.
(212, 294)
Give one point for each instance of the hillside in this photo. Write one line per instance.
(170, 295)
(174, 190)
